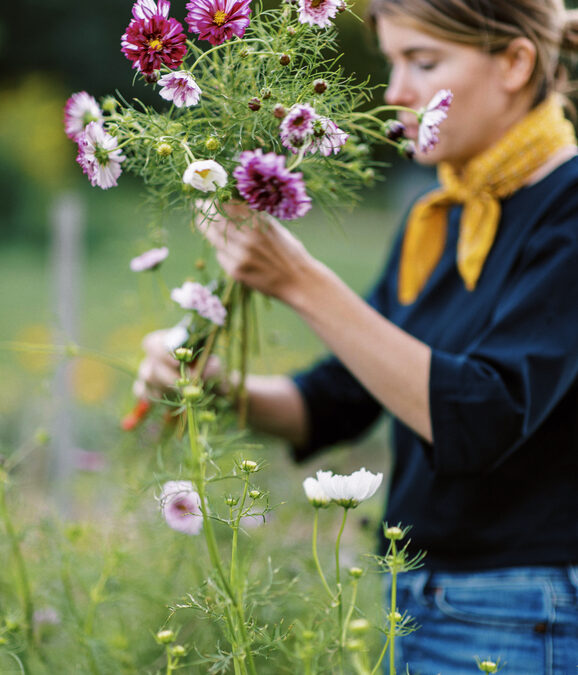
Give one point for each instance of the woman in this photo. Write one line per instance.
(469, 339)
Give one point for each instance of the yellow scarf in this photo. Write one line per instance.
(491, 176)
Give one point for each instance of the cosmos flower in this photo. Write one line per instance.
(318, 12)
(195, 296)
(80, 109)
(205, 175)
(267, 185)
(99, 156)
(152, 38)
(218, 20)
(315, 494)
(180, 88)
(297, 126)
(328, 138)
(349, 491)
(149, 260)
(431, 117)
(175, 337)
(181, 506)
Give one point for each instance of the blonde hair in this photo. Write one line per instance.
(492, 24)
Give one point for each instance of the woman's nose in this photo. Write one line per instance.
(399, 90)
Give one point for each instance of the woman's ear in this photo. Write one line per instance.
(517, 63)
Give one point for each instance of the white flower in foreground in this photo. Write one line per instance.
(175, 337)
(181, 506)
(149, 260)
(349, 491)
(315, 494)
(205, 175)
(180, 88)
(431, 117)
(195, 296)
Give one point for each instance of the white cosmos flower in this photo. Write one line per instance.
(349, 491)
(431, 117)
(315, 494)
(205, 175)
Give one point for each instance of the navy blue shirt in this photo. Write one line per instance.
(498, 486)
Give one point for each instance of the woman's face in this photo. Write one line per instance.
(421, 65)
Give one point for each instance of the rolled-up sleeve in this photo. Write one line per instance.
(486, 401)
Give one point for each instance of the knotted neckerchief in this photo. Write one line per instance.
(486, 179)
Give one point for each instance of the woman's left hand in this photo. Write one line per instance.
(256, 250)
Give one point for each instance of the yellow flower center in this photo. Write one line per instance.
(156, 44)
(203, 173)
(220, 17)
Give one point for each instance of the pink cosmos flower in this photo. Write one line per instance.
(327, 137)
(181, 507)
(318, 12)
(267, 185)
(218, 20)
(152, 38)
(149, 260)
(180, 88)
(99, 156)
(431, 117)
(297, 127)
(80, 109)
(199, 298)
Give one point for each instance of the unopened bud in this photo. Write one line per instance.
(393, 129)
(230, 500)
(406, 148)
(254, 494)
(291, 30)
(394, 533)
(319, 86)
(178, 651)
(355, 645)
(284, 59)
(265, 93)
(164, 149)
(355, 572)
(254, 104)
(165, 637)
(152, 78)
(341, 7)
(184, 354)
(279, 111)
(200, 264)
(207, 416)
(248, 465)
(359, 626)
(488, 666)
(212, 143)
(192, 393)
(109, 104)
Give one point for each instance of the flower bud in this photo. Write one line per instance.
(265, 93)
(284, 59)
(200, 264)
(192, 393)
(396, 616)
(394, 533)
(355, 645)
(182, 382)
(165, 637)
(207, 416)
(355, 572)
(164, 149)
(212, 143)
(184, 354)
(230, 500)
(178, 651)
(248, 465)
(488, 666)
(279, 111)
(359, 626)
(245, 52)
(406, 148)
(254, 494)
(341, 7)
(368, 176)
(319, 86)
(254, 104)
(308, 635)
(152, 78)
(109, 104)
(291, 30)
(393, 129)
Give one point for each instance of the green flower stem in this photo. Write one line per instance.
(221, 46)
(199, 466)
(316, 557)
(384, 108)
(375, 134)
(381, 657)
(70, 350)
(22, 580)
(355, 583)
(242, 399)
(338, 582)
(392, 609)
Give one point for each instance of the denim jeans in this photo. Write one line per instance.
(526, 616)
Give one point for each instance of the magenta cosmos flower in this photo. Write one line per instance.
(180, 88)
(267, 185)
(99, 156)
(218, 20)
(431, 117)
(152, 38)
(80, 109)
(199, 298)
(181, 507)
(318, 12)
(149, 260)
(297, 128)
